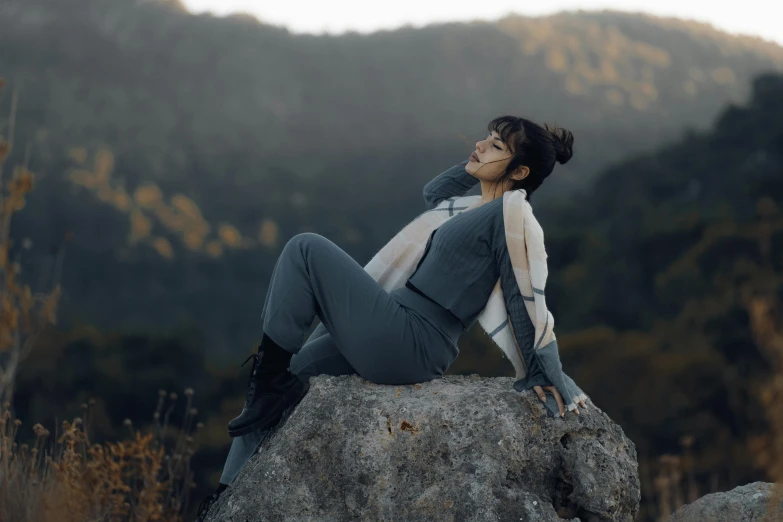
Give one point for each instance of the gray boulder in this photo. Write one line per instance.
(460, 448)
(746, 503)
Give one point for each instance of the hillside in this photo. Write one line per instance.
(149, 79)
(243, 134)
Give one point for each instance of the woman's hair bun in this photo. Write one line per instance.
(564, 143)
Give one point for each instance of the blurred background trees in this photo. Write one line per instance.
(181, 152)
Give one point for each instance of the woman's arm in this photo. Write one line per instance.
(453, 182)
(521, 325)
(543, 365)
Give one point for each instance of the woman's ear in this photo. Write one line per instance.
(521, 173)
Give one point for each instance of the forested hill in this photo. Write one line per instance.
(666, 228)
(174, 147)
(174, 94)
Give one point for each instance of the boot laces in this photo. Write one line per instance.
(253, 381)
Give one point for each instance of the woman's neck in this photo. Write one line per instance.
(490, 191)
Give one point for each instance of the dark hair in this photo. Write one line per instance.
(533, 146)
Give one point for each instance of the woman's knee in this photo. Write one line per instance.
(305, 238)
(300, 243)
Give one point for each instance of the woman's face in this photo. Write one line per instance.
(490, 158)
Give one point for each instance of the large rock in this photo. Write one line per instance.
(746, 503)
(453, 449)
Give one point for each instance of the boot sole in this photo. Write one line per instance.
(289, 400)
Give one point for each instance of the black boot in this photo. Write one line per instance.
(272, 389)
(207, 503)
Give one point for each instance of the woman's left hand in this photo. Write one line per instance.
(558, 398)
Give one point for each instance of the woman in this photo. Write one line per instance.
(409, 335)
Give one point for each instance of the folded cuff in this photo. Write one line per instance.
(576, 391)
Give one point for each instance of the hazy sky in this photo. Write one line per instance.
(754, 17)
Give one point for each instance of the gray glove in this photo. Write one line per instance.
(549, 359)
(576, 393)
(546, 370)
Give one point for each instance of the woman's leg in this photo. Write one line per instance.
(369, 332)
(314, 277)
(318, 356)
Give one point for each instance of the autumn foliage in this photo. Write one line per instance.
(70, 478)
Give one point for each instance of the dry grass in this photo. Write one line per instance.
(69, 478)
(675, 484)
(74, 480)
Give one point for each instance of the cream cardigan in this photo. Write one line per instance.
(396, 261)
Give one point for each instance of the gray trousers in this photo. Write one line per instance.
(397, 337)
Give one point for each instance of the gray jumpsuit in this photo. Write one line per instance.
(405, 336)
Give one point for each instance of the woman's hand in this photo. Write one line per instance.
(558, 398)
(549, 359)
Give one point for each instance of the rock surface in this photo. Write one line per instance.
(746, 503)
(460, 448)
